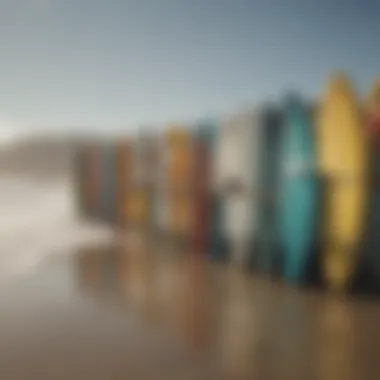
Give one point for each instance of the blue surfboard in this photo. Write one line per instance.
(108, 183)
(266, 251)
(299, 189)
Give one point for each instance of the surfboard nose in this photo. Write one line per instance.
(340, 84)
(292, 100)
(374, 96)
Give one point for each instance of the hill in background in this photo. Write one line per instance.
(39, 157)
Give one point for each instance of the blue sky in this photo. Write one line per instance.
(101, 64)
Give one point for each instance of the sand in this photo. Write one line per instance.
(37, 212)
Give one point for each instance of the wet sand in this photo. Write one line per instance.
(127, 313)
(38, 215)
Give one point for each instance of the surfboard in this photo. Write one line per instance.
(202, 206)
(78, 176)
(108, 178)
(146, 166)
(299, 189)
(180, 158)
(161, 202)
(137, 208)
(124, 171)
(93, 179)
(267, 253)
(146, 157)
(342, 161)
(137, 201)
(236, 170)
(216, 245)
(372, 236)
(180, 168)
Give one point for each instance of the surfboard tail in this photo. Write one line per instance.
(338, 268)
(294, 268)
(345, 212)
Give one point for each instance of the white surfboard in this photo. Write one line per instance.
(237, 175)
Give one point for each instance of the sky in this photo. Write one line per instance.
(98, 65)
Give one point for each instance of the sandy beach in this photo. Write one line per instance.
(37, 217)
(73, 306)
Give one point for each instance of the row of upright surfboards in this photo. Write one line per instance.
(273, 184)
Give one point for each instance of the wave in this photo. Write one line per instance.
(31, 231)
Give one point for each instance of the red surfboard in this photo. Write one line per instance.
(92, 179)
(201, 197)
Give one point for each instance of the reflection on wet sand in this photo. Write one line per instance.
(238, 325)
(337, 335)
(292, 336)
(192, 302)
(137, 279)
(219, 320)
(90, 269)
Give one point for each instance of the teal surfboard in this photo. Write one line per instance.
(299, 189)
(266, 254)
(206, 132)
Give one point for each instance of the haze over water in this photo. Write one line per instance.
(96, 65)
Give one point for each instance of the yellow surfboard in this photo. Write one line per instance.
(343, 161)
(132, 197)
(137, 208)
(179, 166)
(179, 160)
